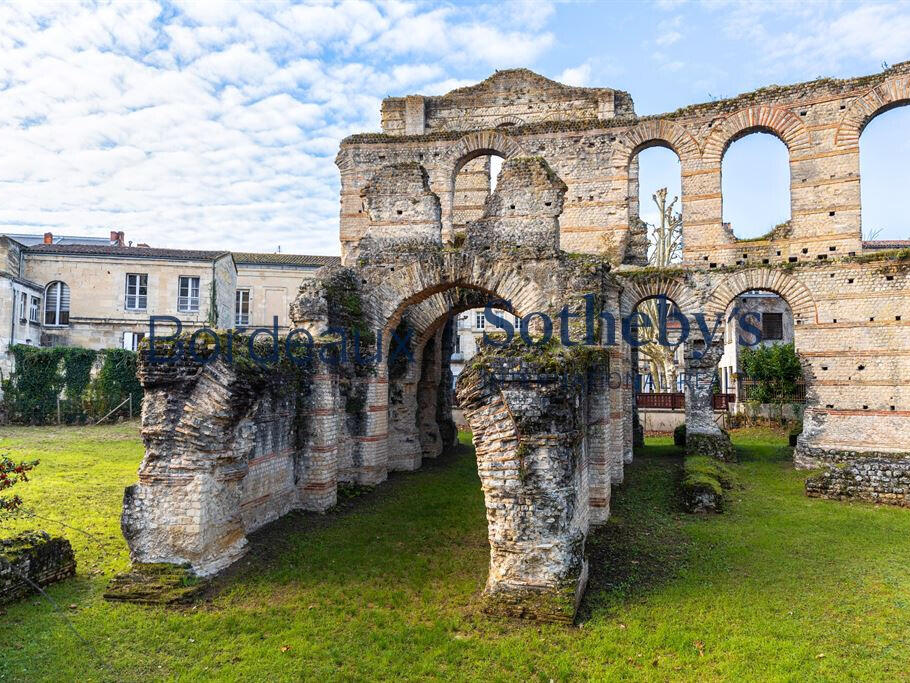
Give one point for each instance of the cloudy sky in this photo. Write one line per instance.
(216, 125)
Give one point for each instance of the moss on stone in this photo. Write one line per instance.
(778, 232)
(156, 584)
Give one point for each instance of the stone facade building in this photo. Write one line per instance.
(98, 293)
(229, 448)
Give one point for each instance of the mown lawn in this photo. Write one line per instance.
(781, 587)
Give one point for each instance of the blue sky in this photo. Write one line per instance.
(216, 125)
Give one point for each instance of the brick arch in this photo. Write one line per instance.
(637, 290)
(795, 293)
(505, 121)
(481, 143)
(781, 123)
(655, 133)
(417, 282)
(431, 314)
(893, 92)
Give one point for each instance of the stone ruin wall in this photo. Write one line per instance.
(592, 147)
(222, 460)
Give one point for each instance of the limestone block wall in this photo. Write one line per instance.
(472, 186)
(272, 290)
(228, 449)
(593, 146)
(507, 98)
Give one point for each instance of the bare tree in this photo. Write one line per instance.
(665, 249)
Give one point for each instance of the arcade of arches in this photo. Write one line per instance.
(229, 449)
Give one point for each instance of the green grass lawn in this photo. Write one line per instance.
(387, 586)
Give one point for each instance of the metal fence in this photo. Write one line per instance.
(745, 386)
(677, 400)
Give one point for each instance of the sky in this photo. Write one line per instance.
(216, 125)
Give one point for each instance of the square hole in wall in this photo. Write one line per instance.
(805, 250)
(834, 320)
(704, 258)
(897, 317)
(849, 280)
(822, 257)
(830, 213)
(766, 260)
(891, 407)
(739, 263)
(824, 367)
(865, 407)
(831, 275)
(851, 253)
(830, 406)
(871, 318)
(792, 259)
(843, 106)
(832, 248)
(889, 277)
(713, 265)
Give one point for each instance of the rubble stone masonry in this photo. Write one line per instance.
(421, 241)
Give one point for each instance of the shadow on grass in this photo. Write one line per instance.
(642, 546)
(374, 528)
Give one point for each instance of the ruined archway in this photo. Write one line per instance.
(473, 146)
(652, 134)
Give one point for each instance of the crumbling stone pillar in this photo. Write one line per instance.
(373, 445)
(428, 397)
(448, 432)
(599, 437)
(186, 506)
(317, 475)
(703, 436)
(404, 438)
(529, 431)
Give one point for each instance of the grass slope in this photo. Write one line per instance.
(781, 587)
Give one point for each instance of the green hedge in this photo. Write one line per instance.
(42, 375)
(114, 382)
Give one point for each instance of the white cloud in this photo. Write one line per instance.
(578, 75)
(668, 38)
(820, 38)
(214, 124)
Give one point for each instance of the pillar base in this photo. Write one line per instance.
(553, 604)
(714, 445)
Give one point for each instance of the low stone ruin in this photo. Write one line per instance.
(31, 560)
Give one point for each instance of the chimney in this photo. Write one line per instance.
(117, 238)
(48, 238)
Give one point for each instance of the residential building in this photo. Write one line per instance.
(469, 330)
(100, 293)
(770, 314)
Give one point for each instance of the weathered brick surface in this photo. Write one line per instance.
(33, 559)
(421, 240)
